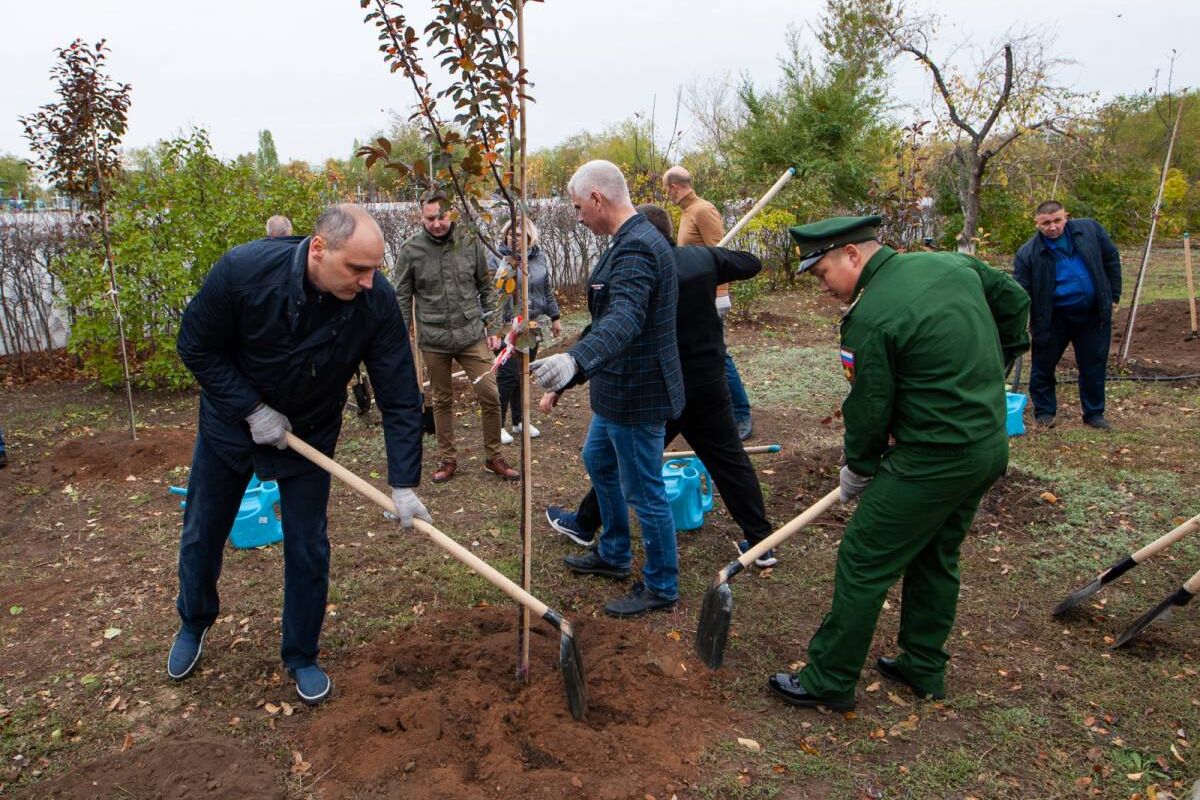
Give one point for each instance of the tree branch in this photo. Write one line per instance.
(1005, 92)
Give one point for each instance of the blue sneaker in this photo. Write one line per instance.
(767, 559)
(564, 522)
(185, 653)
(312, 684)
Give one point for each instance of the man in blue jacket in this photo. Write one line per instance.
(273, 337)
(1072, 272)
(630, 359)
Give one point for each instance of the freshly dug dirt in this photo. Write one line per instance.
(1160, 345)
(112, 455)
(437, 713)
(178, 767)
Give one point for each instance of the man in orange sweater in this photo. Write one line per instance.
(700, 223)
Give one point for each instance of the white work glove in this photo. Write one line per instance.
(408, 505)
(554, 372)
(268, 426)
(723, 305)
(853, 484)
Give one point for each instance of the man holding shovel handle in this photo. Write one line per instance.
(273, 337)
(924, 344)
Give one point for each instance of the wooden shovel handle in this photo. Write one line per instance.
(766, 198)
(1193, 584)
(808, 515)
(758, 448)
(1166, 540)
(489, 573)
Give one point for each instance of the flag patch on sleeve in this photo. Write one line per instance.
(848, 363)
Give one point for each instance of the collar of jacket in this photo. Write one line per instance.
(881, 257)
(296, 281)
(1071, 228)
(626, 226)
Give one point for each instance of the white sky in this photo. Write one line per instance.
(308, 70)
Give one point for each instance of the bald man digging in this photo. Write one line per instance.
(273, 337)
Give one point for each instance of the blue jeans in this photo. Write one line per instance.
(737, 391)
(625, 465)
(1, 440)
(214, 494)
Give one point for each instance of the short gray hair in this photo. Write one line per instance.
(337, 224)
(600, 176)
(279, 225)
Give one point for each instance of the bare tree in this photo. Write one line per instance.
(1005, 93)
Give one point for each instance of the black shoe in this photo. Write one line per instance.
(640, 601)
(745, 428)
(767, 559)
(1044, 420)
(888, 669)
(1098, 422)
(590, 563)
(786, 686)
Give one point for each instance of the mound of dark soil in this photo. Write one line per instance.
(1160, 345)
(178, 767)
(112, 455)
(437, 713)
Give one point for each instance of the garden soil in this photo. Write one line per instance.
(1160, 345)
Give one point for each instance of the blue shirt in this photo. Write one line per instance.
(1073, 286)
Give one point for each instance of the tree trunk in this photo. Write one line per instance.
(970, 186)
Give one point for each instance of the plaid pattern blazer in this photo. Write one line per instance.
(630, 354)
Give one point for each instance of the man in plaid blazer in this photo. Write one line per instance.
(630, 359)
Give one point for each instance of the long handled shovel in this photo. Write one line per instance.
(1180, 597)
(717, 611)
(1124, 565)
(758, 448)
(569, 659)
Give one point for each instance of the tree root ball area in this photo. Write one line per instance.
(437, 712)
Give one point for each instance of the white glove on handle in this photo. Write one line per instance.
(723, 305)
(554, 372)
(853, 484)
(408, 506)
(268, 426)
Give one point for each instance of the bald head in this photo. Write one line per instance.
(677, 183)
(278, 226)
(345, 250)
(339, 222)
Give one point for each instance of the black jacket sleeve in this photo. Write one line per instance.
(735, 265)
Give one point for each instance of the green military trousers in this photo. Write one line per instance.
(910, 523)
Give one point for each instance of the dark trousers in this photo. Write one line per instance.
(1090, 338)
(214, 494)
(707, 424)
(508, 381)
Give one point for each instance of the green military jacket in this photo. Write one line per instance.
(455, 300)
(925, 346)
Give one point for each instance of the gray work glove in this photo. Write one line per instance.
(554, 372)
(408, 506)
(853, 484)
(268, 426)
(723, 305)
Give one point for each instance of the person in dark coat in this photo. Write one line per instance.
(273, 337)
(1072, 272)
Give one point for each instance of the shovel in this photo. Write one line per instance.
(758, 448)
(717, 611)
(569, 659)
(1180, 597)
(1124, 565)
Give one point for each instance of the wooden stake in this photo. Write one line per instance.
(1187, 268)
(1137, 289)
(526, 394)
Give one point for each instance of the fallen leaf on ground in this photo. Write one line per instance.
(749, 744)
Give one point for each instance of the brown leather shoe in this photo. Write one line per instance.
(445, 471)
(500, 467)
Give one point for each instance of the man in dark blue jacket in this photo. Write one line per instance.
(1072, 272)
(273, 337)
(707, 421)
(630, 359)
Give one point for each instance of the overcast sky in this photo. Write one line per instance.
(308, 70)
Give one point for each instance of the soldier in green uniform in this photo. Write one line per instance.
(925, 344)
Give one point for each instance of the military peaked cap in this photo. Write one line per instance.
(816, 239)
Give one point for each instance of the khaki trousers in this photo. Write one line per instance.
(475, 360)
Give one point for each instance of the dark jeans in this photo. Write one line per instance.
(508, 381)
(1090, 337)
(707, 424)
(737, 391)
(1, 440)
(214, 495)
